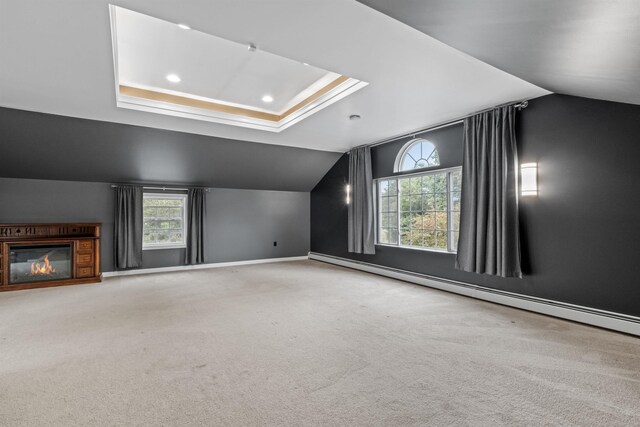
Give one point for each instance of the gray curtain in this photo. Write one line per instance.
(361, 222)
(195, 226)
(127, 234)
(489, 241)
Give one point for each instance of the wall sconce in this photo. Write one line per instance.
(347, 190)
(529, 179)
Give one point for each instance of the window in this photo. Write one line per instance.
(164, 221)
(417, 154)
(420, 211)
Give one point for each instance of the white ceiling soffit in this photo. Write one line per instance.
(218, 80)
(588, 48)
(57, 58)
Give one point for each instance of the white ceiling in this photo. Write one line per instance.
(57, 58)
(211, 67)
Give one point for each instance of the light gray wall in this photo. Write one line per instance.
(241, 224)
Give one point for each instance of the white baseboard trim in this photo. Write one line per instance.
(591, 316)
(200, 266)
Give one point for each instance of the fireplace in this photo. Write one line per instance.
(39, 263)
(43, 255)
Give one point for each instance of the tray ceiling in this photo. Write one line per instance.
(57, 58)
(168, 68)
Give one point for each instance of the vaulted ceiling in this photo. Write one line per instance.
(56, 57)
(588, 48)
(47, 146)
(426, 62)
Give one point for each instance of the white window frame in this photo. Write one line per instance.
(397, 165)
(175, 196)
(378, 215)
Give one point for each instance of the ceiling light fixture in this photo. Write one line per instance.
(304, 63)
(184, 26)
(251, 47)
(267, 98)
(173, 78)
(354, 117)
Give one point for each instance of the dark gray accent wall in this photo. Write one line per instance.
(47, 146)
(241, 224)
(448, 142)
(580, 236)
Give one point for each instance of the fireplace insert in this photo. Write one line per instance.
(39, 263)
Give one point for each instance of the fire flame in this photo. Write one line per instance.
(44, 268)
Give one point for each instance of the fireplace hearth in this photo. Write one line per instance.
(42, 255)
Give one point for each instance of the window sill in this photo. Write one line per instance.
(412, 248)
(155, 248)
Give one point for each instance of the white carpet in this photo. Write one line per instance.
(301, 343)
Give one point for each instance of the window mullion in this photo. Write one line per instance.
(397, 212)
(449, 213)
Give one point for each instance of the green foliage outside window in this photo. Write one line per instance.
(163, 221)
(420, 211)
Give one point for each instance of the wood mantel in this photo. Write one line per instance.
(83, 238)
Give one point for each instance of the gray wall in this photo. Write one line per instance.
(46, 146)
(580, 236)
(241, 224)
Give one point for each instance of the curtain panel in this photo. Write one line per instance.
(196, 213)
(489, 241)
(127, 234)
(361, 212)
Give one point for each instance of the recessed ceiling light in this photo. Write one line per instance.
(304, 63)
(184, 26)
(201, 98)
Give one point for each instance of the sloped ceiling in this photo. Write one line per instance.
(588, 48)
(46, 146)
(56, 57)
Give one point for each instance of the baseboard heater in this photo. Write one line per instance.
(140, 271)
(591, 316)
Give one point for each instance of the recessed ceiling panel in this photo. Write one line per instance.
(167, 68)
(56, 57)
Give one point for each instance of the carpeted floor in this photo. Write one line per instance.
(301, 344)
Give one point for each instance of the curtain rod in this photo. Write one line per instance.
(519, 105)
(164, 188)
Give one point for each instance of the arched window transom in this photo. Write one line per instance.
(418, 153)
